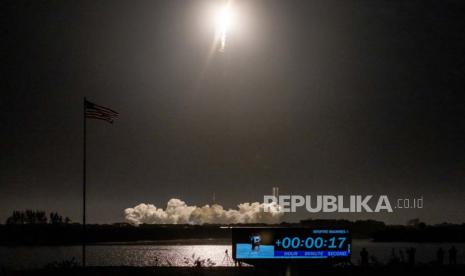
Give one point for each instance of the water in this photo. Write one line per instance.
(176, 255)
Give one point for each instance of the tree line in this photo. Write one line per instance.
(36, 217)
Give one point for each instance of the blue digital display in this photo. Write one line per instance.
(290, 243)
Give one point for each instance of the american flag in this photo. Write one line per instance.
(95, 111)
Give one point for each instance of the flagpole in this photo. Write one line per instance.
(84, 188)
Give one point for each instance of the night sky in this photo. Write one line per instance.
(316, 97)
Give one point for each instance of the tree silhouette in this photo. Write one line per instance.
(16, 218)
(35, 217)
(55, 218)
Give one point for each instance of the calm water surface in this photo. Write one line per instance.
(178, 255)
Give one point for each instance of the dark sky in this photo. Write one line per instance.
(316, 97)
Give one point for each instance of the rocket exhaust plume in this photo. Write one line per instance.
(178, 212)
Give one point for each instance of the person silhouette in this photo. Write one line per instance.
(402, 257)
(394, 258)
(364, 256)
(440, 256)
(453, 256)
(411, 256)
(226, 258)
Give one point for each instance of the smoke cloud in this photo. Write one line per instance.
(178, 212)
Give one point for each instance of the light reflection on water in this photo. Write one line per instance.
(153, 255)
(176, 255)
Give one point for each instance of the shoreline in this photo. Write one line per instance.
(349, 270)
